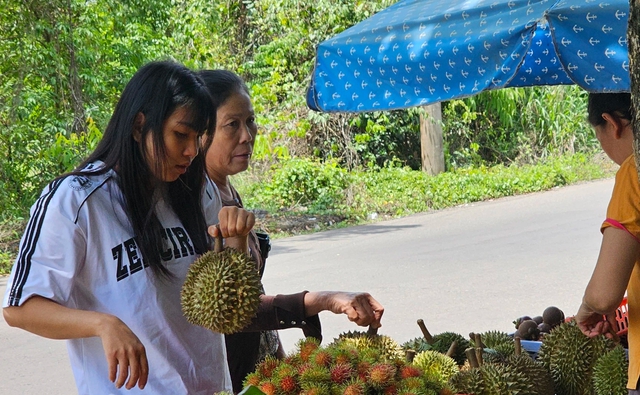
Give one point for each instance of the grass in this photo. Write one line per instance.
(366, 196)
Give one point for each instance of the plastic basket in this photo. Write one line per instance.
(622, 317)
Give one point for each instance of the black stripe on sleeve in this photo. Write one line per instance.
(29, 242)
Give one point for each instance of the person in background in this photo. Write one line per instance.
(618, 266)
(108, 245)
(229, 154)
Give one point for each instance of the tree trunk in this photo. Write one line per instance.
(431, 139)
(633, 40)
(75, 85)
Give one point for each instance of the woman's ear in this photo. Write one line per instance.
(613, 122)
(138, 124)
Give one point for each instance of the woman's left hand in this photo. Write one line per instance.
(234, 225)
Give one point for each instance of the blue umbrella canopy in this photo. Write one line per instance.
(419, 52)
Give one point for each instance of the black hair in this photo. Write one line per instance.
(222, 84)
(156, 90)
(616, 104)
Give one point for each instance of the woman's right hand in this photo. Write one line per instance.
(593, 324)
(126, 356)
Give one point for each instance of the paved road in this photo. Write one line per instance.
(470, 268)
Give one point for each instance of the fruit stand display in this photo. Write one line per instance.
(560, 360)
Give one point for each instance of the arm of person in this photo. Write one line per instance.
(360, 307)
(125, 354)
(301, 310)
(605, 290)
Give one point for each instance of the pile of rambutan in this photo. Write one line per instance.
(347, 368)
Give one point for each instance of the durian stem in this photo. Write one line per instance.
(425, 331)
(410, 355)
(479, 356)
(217, 246)
(372, 331)
(452, 349)
(471, 357)
(478, 340)
(518, 346)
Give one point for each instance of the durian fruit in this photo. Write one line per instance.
(437, 367)
(498, 346)
(610, 373)
(441, 343)
(497, 340)
(221, 291)
(467, 381)
(502, 379)
(388, 348)
(537, 374)
(570, 357)
(418, 344)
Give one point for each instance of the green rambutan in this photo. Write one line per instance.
(315, 375)
(354, 387)
(252, 378)
(266, 368)
(306, 347)
(316, 389)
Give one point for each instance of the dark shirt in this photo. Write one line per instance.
(275, 312)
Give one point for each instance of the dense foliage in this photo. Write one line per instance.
(63, 64)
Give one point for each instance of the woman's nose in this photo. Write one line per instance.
(192, 148)
(247, 136)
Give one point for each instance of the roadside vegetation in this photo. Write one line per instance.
(63, 64)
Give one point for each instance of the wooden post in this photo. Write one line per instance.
(431, 139)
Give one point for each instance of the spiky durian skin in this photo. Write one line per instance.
(496, 340)
(436, 366)
(418, 344)
(537, 374)
(386, 347)
(467, 381)
(442, 342)
(610, 373)
(221, 291)
(570, 356)
(502, 379)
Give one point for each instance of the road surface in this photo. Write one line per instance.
(471, 268)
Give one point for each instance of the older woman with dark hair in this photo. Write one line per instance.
(229, 154)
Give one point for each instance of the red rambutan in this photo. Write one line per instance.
(381, 374)
(340, 373)
(410, 371)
